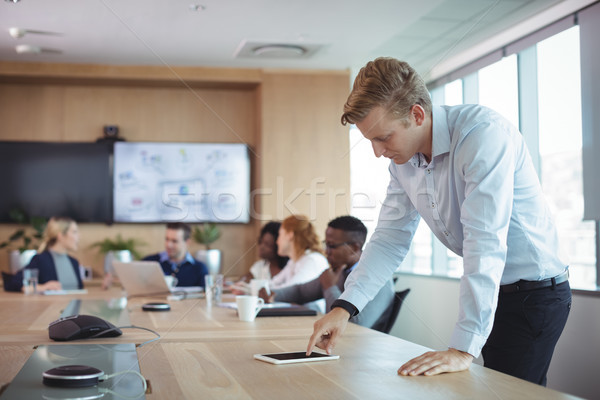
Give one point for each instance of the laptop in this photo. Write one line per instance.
(146, 278)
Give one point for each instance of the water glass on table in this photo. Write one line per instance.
(213, 287)
(30, 280)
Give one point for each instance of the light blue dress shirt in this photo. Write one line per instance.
(164, 257)
(481, 197)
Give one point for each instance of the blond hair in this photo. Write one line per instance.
(305, 237)
(388, 83)
(55, 226)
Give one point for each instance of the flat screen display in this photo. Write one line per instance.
(46, 179)
(187, 182)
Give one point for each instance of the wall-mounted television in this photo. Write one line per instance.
(187, 182)
(44, 179)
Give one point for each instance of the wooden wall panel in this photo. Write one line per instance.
(304, 149)
(79, 112)
(31, 112)
(162, 114)
(290, 120)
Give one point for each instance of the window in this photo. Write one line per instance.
(560, 138)
(369, 178)
(453, 93)
(546, 106)
(498, 88)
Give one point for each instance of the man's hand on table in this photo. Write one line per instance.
(437, 362)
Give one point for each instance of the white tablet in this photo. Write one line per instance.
(294, 357)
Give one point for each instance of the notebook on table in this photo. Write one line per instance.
(277, 309)
(288, 310)
(146, 278)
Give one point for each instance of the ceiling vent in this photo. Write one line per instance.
(275, 50)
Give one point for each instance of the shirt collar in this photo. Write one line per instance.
(440, 132)
(165, 257)
(418, 161)
(348, 270)
(440, 137)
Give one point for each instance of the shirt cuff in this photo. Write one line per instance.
(346, 306)
(468, 342)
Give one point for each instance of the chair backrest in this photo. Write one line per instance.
(395, 306)
(6, 279)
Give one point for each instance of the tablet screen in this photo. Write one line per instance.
(293, 357)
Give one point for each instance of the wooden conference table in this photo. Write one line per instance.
(206, 352)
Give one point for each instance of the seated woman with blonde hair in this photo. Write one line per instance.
(298, 241)
(57, 270)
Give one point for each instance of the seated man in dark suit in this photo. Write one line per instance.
(176, 260)
(344, 239)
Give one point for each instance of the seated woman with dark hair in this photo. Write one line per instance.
(270, 263)
(57, 270)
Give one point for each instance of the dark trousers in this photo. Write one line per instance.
(527, 326)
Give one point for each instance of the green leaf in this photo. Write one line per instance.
(30, 239)
(17, 235)
(18, 215)
(118, 244)
(206, 234)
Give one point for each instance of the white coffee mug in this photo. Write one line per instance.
(248, 307)
(257, 284)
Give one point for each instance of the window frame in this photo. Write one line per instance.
(526, 51)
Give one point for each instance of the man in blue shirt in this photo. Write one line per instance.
(466, 171)
(176, 260)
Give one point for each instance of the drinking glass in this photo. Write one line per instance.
(30, 280)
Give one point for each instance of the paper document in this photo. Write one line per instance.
(64, 291)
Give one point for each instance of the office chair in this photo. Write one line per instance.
(6, 280)
(395, 310)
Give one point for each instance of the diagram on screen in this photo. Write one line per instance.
(188, 182)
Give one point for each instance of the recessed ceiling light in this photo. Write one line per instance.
(12, 1)
(18, 33)
(31, 49)
(28, 49)
(197, 7)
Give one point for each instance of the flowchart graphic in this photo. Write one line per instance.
(187, 182)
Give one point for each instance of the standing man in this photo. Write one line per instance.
(176, 260)
(466, 171)
(344, 239)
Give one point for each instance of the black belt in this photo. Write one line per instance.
(522, 286)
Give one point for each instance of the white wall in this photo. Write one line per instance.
(429, 313)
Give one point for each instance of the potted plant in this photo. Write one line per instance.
(120, 249)
(29, 236)
(206, 234)
(118, 245)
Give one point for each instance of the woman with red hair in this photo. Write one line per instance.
(298, 241)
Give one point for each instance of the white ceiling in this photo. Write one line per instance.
(344, 34)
